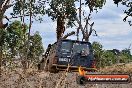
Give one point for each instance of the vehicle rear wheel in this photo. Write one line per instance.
(51, 68)
(41, 66)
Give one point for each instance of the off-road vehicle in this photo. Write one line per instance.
(67, 52)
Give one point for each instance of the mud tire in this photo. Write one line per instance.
(52, 69)
(80, 80)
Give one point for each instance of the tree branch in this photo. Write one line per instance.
(68, 34)
(1, 2)
(19, 16)
(80, 25)
(91, 29)
(4, 5)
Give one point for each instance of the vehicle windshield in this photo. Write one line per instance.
(78, 47)
(66, 47)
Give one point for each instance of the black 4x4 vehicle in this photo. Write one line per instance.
(64, 52)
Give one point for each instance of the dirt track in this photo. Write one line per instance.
(35, 79)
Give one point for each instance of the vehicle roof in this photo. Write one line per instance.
(75, 41)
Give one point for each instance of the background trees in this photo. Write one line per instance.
(14, 47)
(98, 50)
(15, 40)
(109, 57)
(66, 12)
(36, 48)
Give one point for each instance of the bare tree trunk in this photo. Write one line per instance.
(4, 5)
(30, 25)
(24, 61)
(1, 25)
(0, 59)
(80, 23)
(60, 27)
(1, 20)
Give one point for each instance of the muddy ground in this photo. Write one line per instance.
(36, 79)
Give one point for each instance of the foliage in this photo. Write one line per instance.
(14, 36)
(63, 8)
(128, 11)
(109, 57)
(95, 4)
(126, 56)
(36, 47)
(22, 8)
(97, 49)
(13, 42)
(2, 36)
(68, 8)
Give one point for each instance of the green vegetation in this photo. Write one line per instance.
(13, 44)
(109, 57)
(16, 41)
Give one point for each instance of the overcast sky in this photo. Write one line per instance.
(113, 32)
